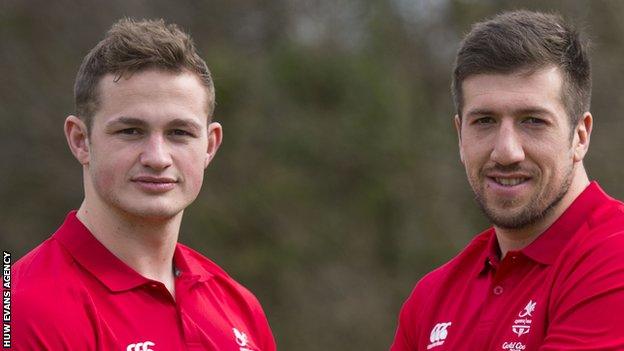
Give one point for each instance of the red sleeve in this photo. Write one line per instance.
(262, 330)
(588, 308)
(49, 312)
(39, 322)
(404, 339)
(268, 341)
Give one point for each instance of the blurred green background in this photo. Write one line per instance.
(338, 184)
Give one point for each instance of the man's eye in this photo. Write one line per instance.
(484, 120)
(180, 132)
(533, 120)
(129, 131)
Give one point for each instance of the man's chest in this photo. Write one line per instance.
(143, 322)
(504, 313)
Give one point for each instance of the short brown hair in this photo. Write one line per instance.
(520, 40)
(131, 46)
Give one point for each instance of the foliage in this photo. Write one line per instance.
(338, 185)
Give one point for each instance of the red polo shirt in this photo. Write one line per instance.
(564, 291)
(71, 293)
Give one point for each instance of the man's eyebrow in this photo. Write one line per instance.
(479, 112)
(184, 122)
(521, 112)
(533, 111)
(127, 120)
(176, 122)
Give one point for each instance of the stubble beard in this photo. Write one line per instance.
(537, 208)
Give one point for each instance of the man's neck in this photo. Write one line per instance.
(517, 239)
(147, 246)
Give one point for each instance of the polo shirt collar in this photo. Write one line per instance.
(117, 276)
(546, 248)
(491, 254)
(188, 266)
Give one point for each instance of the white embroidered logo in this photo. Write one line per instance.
(438, 335)
(522, 325)
(241, 340)
(514, 346)
(140, 346)
(528, 309)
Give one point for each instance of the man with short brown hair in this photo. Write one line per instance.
(113, 276)
(549, 274)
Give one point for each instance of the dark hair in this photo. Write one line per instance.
(520, 40)
(131, 46)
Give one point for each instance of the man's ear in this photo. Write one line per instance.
(582, 133)
(215, 136)
(458, 123)
(77, 137)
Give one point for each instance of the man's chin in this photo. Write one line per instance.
(509, 222)
(515, 218)
(153, 214)
(509, 214)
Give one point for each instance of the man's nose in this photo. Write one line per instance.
(508, 148)
(156, 153)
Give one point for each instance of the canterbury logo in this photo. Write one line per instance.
(438, 334)
(140, 346)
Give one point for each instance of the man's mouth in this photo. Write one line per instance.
(510, 181)
(156, 180)
(155, 185)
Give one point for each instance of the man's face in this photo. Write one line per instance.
(515, 144)
(149, 143)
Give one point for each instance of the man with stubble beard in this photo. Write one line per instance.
(549, 273)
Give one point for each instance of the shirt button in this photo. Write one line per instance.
(498, 290)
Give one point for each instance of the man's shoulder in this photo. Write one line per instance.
(220, 276)
(603, 231)
(45, 275)
(48, 304)
(607, 218)
(197, 259)
(43, 265)
(467, 257)
(436, 284)
(592, 260)
(232, 296)
(588, 279)
(465, 262)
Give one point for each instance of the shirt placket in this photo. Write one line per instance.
(498, 288)
(188, 330)
(158, 291)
